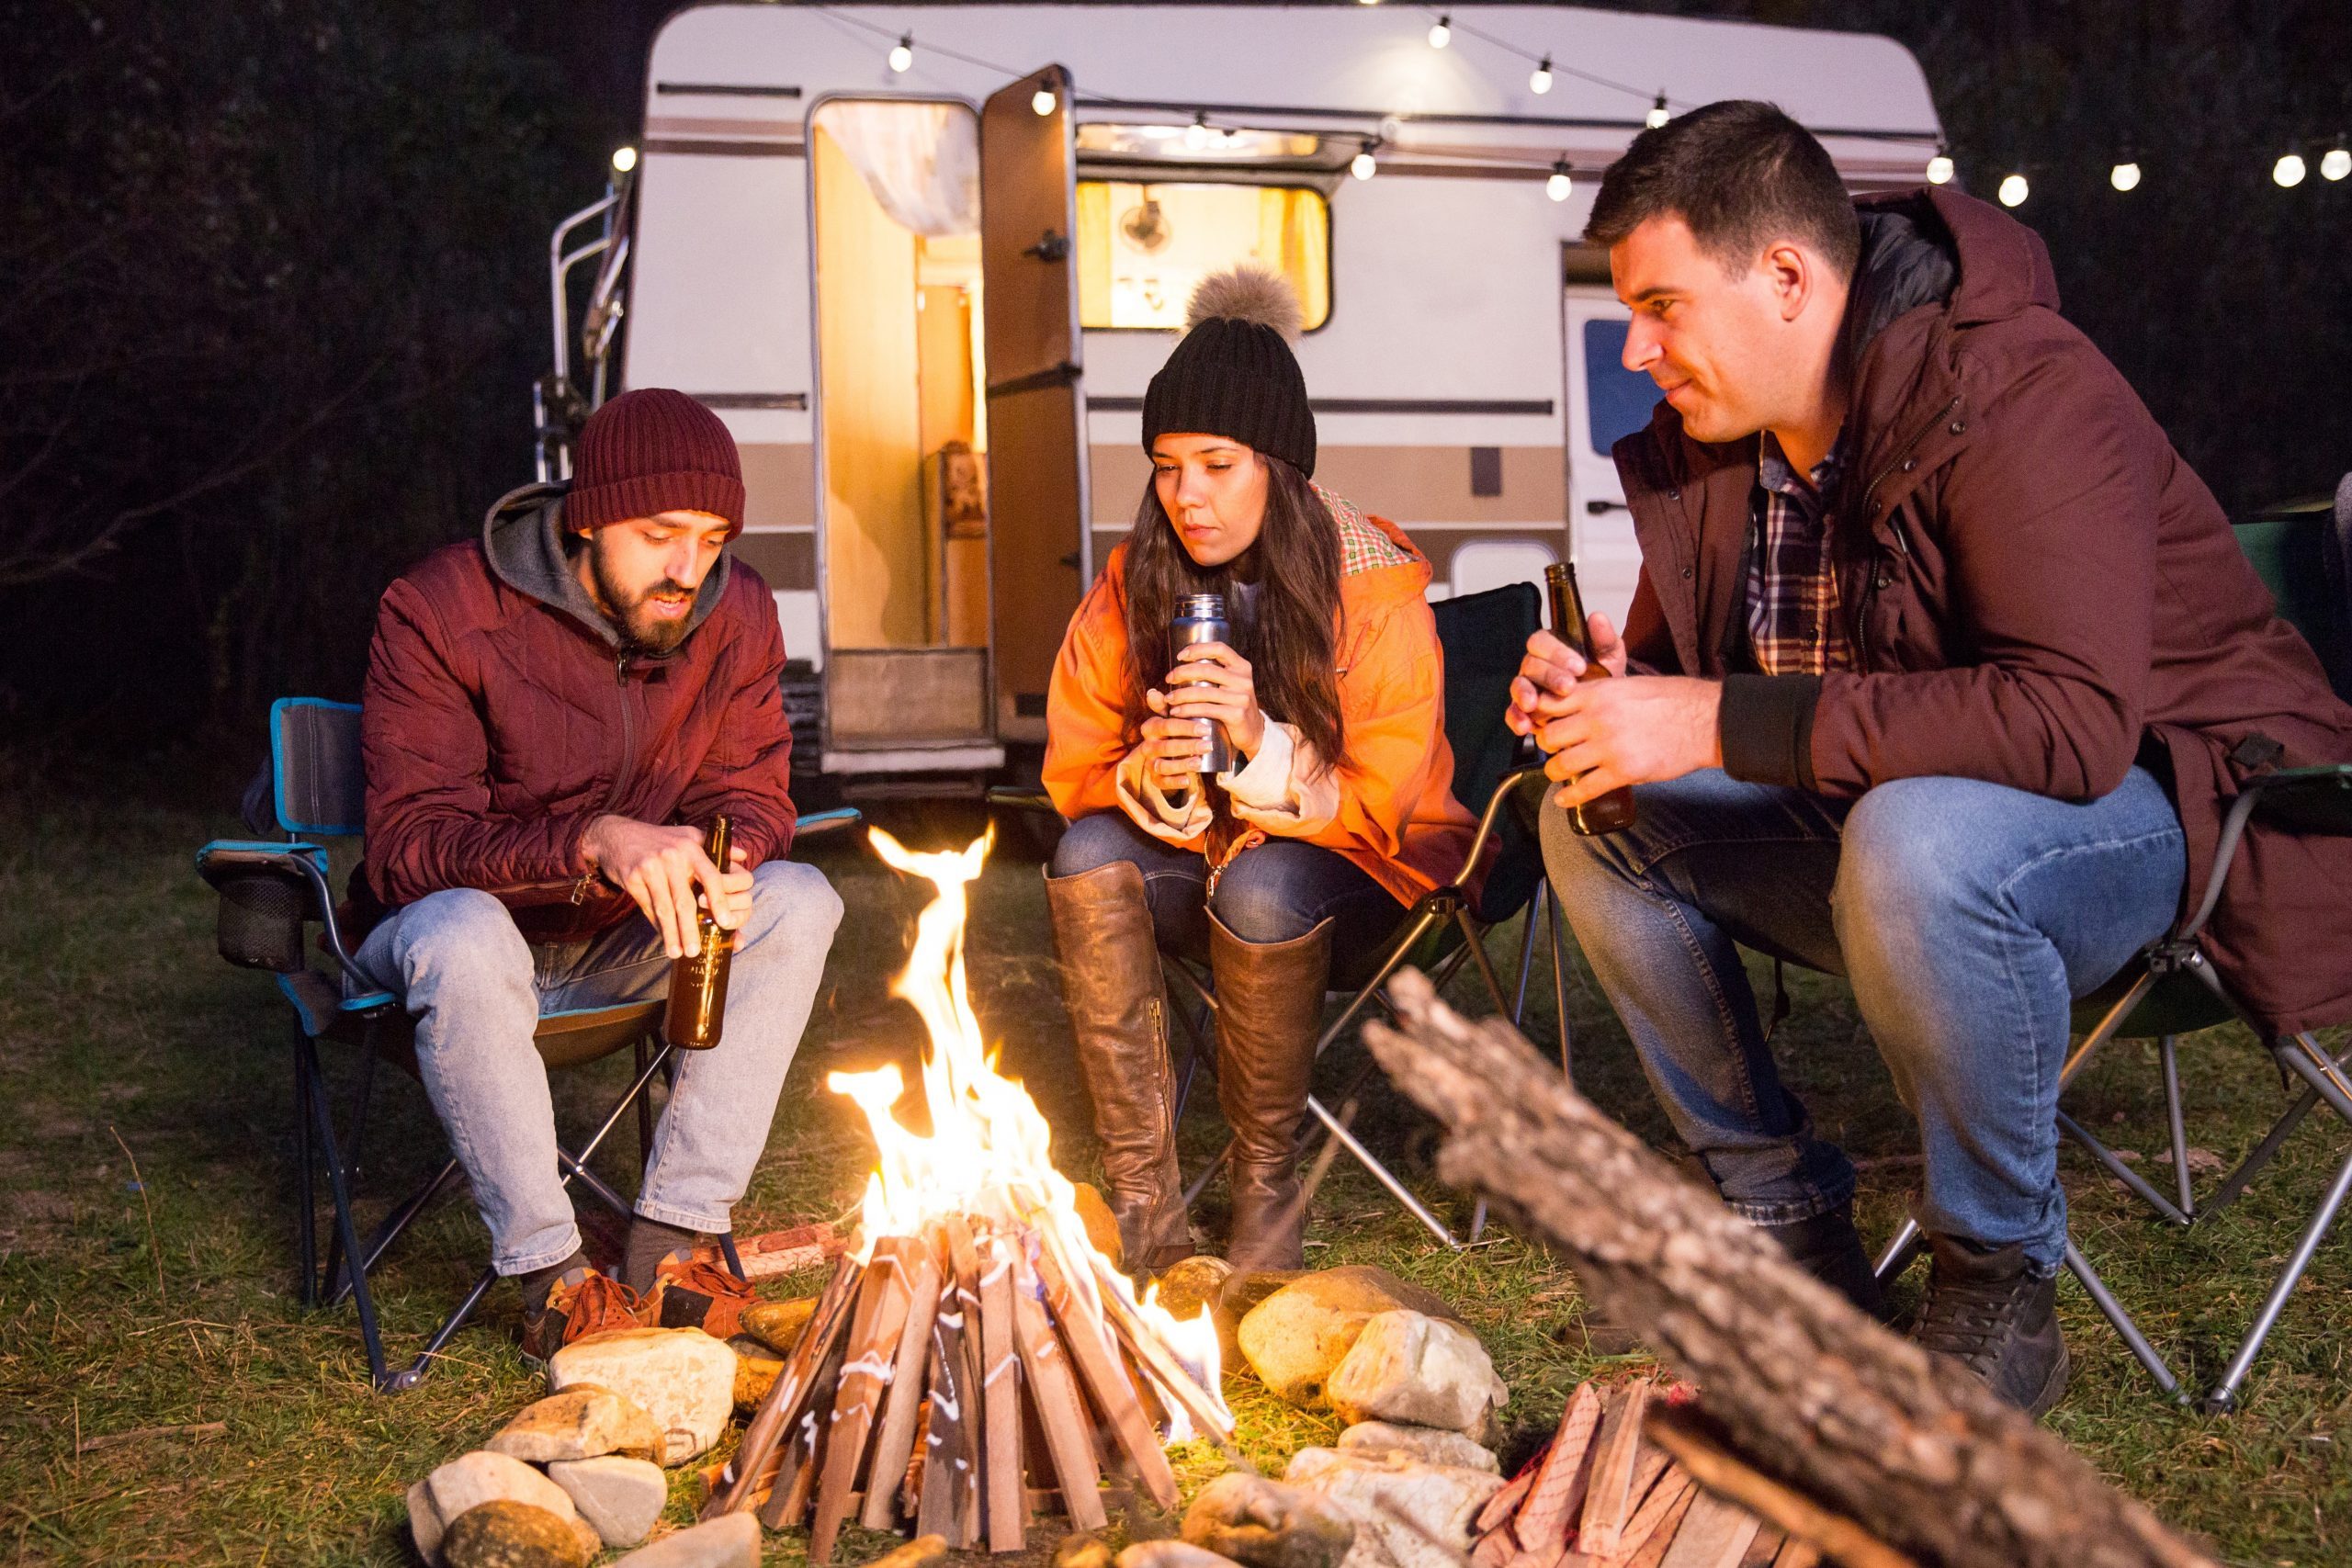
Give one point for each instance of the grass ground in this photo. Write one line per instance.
(146, 1276)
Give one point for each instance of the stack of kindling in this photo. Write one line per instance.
(959, 1382)
(1598, 1493)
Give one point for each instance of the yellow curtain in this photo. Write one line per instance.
(1093, 253)
(1294, 237)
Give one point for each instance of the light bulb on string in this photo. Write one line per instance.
(624, 160)
(1441, 32)
(902, 54)
(2013, 190)
(2335, 163)
(1363, 164)
(1043, 102)
(1659, 114)
(1939, 168)
(1539, 81)
(1196, 135)
(2124, 176)
(2289, 171)
(1559, 185)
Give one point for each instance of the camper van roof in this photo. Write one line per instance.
(1347, 72)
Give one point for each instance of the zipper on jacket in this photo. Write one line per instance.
(1902, 540)
(625, 773)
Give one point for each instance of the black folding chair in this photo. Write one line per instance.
(2171, 989)
(271, 891)
(1484, 637)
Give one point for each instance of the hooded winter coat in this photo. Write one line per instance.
(2039, 591)
(502, 715)
(1390, 811)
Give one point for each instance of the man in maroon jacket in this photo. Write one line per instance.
(553, 715)
(1949, 666)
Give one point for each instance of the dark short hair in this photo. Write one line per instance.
(1741, 174)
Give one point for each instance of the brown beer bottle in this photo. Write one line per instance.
(698, 984)
(1614, 811)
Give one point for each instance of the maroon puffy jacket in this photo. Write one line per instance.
(501, 715)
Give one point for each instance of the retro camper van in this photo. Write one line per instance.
(924, 261)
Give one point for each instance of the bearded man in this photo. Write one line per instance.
(553, 714)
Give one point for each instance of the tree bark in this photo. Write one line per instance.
(1807, 1388)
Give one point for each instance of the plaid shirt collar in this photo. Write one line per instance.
(1794, 621)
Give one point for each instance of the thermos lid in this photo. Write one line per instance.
(1201, 607)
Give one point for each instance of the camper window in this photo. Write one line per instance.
(1618, 400)
(1142, 247)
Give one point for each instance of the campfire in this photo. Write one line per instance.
(973, 1360)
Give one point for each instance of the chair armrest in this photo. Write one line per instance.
(2306, 800)
(1513, 783)
(1022, 799)
(303, 865)
(834, 821)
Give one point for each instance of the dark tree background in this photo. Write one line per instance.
(274, 294)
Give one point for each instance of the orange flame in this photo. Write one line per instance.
(989, 1157)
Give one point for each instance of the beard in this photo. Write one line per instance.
(631, 611)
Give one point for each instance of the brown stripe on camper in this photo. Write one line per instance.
(779, 486)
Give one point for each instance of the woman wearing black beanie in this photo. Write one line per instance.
(1337, 812)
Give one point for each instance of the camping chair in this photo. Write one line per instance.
(1484, 637)
(2171, 989)
(270, 889)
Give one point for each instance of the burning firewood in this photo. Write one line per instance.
(974, 1359)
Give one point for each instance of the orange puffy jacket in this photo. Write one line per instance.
(1391, 810)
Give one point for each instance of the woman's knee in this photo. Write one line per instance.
(1094, 841)
(1261, 898)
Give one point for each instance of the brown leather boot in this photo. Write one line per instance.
(1269, 1010)
(1119, 1010)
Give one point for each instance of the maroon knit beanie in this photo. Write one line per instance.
(653, 450)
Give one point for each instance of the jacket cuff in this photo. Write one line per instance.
(1766, 725)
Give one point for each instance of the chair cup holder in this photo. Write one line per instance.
(260, 921)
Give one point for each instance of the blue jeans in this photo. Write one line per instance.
(1967, 917)
(1276, 891)
(478, 991)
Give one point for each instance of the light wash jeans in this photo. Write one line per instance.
(1967, 917)
(477, 991)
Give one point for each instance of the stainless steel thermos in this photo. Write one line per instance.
(1199, 618)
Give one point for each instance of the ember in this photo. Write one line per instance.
(973, 1357)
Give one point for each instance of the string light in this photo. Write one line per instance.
(1540, 81)
(1659, 114)
(1043, 102)
(902, 54)
(2289, 171)
(1362, 166)
(624, 160)
(1558, 186)
(2335, 163)
(1940, 169)
(1441, 32)
(1196, 135)
(2124, 176)
(2014, 190)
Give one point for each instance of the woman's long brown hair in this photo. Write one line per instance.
(1293, 639)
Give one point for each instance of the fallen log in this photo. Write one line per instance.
(1805, 1388)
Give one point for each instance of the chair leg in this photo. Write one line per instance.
(351, 1162)
(1381, 1174)
(323, 1116)
(2224, 1395)
(644, 1107)
(2120, 1321)
(307, 1191)
(1560, 990)
(2178, 1128)
(734, 1259)
(2124, 1173)
(1907, 1244)
(1527, 956)
(392, 1228)
(1472, 938)
(414, 1373)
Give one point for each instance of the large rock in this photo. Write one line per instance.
(1439, 1500)
(1243, 1515)
(1198, 1281)
(582, 1422)
(502, 1533)
(1409, 1366)
(1294, 1337)
(1081, 1551)
(620, 1497)
(730, 1540)
(1169, 1554)
(1427, 1444)
(756, 1369)
(467, 1482)
(682, 1376)
(777, 1324)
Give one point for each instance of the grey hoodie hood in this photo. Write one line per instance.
(523, 537)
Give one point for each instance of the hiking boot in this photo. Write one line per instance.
(1989, 1311)
(581, 1302)
(1829, 1248)
(694, 1292)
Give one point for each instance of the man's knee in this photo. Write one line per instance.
(459, 934)
(1916, 852)
(794, 902)
(1092, 842)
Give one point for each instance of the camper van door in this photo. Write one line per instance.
(1038, 551)
(1605, 401)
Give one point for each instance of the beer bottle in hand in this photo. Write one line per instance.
(1614, 811)
(698, 984)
